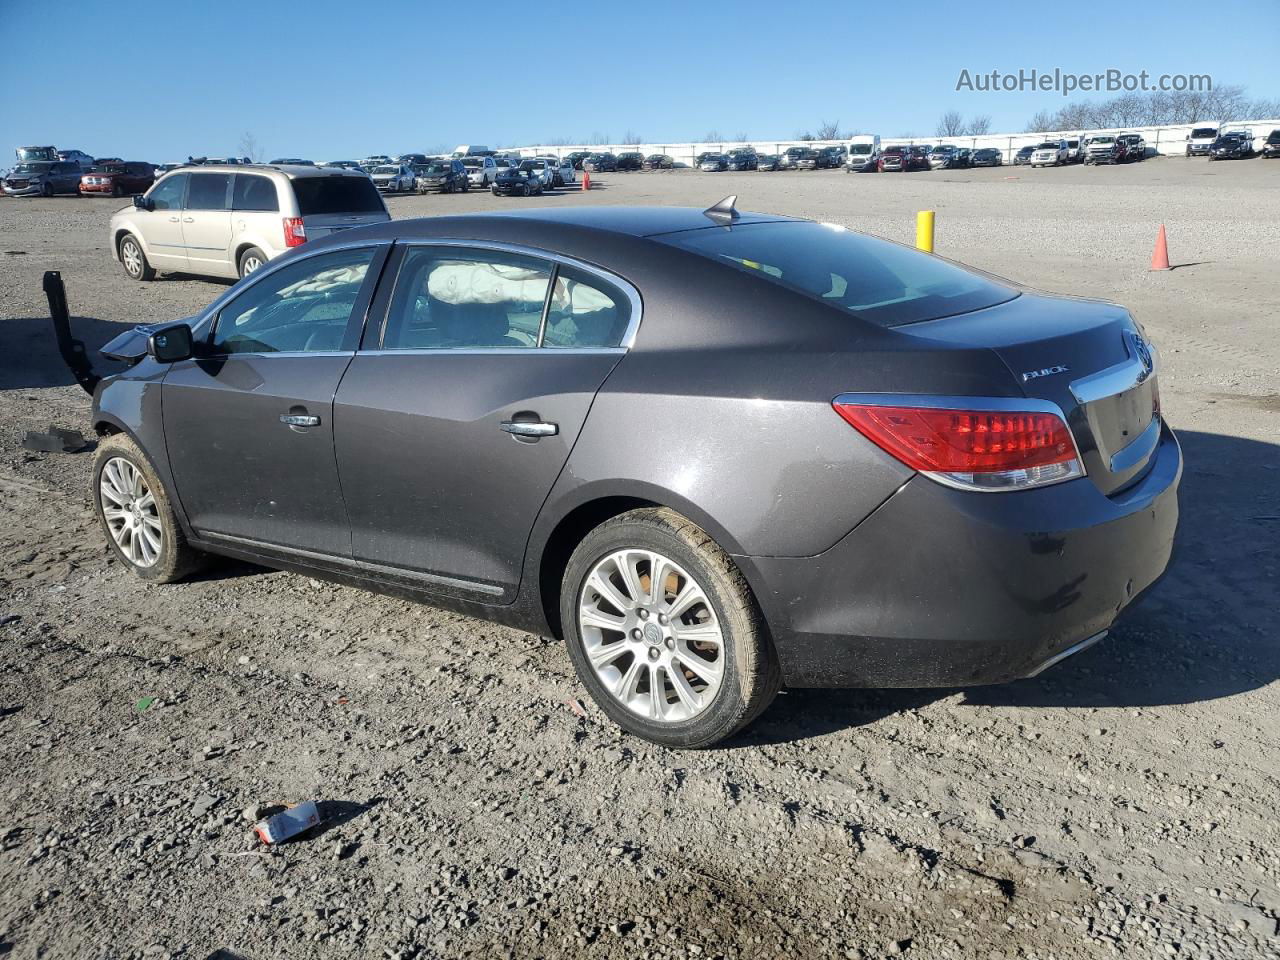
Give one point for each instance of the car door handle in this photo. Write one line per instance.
(188, 219)
(173, 219)
(299, 420)
(527, 428)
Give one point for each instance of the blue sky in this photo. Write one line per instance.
(330, 80)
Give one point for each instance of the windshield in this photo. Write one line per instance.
(876, 280)
(860, 148)
(711, 158)
(1203, 133)
(435, 169)
(385, 169)
(471, 163)
(1048, 145)
(33, 168)
(1103, 140)
(330, 194)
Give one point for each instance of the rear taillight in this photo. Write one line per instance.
(295, 233)
(970, 448)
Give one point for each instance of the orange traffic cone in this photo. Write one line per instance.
(1160, 255)
(586, 179)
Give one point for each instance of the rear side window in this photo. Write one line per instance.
(450, 298)
(254, 193)
(208, 191)
(341, 194)
(585, 312)
(873, 279)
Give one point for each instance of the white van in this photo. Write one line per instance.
(1200, 139)
(472, 150)
(227, 221)
(864, 153)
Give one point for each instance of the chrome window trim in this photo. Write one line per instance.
(491, 351)
(634, 299)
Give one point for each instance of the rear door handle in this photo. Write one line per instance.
(526, 428)
(299, 420)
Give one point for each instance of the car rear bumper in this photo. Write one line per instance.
(941, 587)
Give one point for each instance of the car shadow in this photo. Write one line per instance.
(31, 358)
(1204, 632)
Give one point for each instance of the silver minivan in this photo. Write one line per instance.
(228, 220)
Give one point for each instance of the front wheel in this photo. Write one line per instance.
(664, 632)
(137, 516)
(134, 260)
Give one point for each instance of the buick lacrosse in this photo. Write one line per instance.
(715, 452)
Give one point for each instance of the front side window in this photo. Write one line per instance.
(304, 307)
(208, 191)
(873, 279)
(254, 193)
(451, 298)
(167, 194)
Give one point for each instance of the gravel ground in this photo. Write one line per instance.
(1121, 804)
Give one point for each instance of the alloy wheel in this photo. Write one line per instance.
(251, 263)
(130, 510)
(651, 635)
(132, 257)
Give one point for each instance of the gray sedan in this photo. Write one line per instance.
(714, 452)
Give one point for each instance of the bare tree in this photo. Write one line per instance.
(742, 137)
(631, 139)
(979, 126)
(804, 135)
(713, 136)
(250, 147)
(600, 139)
(1158, 109)
(559, 142)
(950, 124)
(829, 130)
(1042, 121)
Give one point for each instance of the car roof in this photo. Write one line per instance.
(291, 170)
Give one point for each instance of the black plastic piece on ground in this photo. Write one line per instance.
(72, 350)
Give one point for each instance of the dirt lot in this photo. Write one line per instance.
(1124, 803)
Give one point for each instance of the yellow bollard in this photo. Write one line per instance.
(924, 231)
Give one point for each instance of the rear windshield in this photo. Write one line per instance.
(318, 195)
(876, 280)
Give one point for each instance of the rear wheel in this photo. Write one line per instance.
(137, 515)
(251, 260)
(134, 260)
(664, 632)
(47, 189)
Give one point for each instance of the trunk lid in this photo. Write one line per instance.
(1089, 358)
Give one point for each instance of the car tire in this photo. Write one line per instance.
(116, 192)
(252, 259)
(735, 675)
(46, 190)
(137, 516)
(494, 191)
(134, 260)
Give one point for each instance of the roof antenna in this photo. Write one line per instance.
(724, 211)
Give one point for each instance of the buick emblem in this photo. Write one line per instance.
(1143, 351)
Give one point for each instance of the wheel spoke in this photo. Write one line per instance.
(630, 578)
(686, 693)
(147, 501)
(627, 684)
(597, 618)
(708, 670)
(602, 585)
(689, 595)
(692, 633)
(150, 541)
(120, 534)
(603, 654)
(657, 694)
(659, 569)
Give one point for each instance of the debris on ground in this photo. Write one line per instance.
(288, 823)
(55, 440)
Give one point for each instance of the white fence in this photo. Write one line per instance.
(1168, 140)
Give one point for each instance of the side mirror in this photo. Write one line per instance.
(171, 344)
(143, 203)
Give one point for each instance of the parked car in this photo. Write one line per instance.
(1201, 139)
(790, 158)
(293, 161)
(947, 156)
(1271, 148)
(229, 220)
(810, 160)
(767, 161)
(987, 157)
(393, 178)
(78, 157)
(442, 176)
(1231, 146)
(864, 154)
(1104, 148)
(341, 165)
(545, 170)
(630, 161)
(1050, 153)
(563, 173)
(118, 179)
(577, 158)
(658, 161)
(833, 157)
(43, 178)
(904, 159)
(601, 163)
(1244, 132)
(482, 171)
(518, 181)
(1023, 156)
(1135, 147)
(836, 548)
(368, 163)
(414, 159)
(36, 155)
(1075, 148)
(713, 163)
(741, 159)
